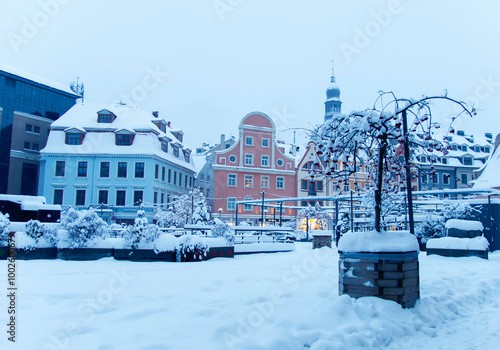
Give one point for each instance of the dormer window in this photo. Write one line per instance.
(124, 137)
(467, 161)
(74, 138)
(123, 140)
(164, 146)
(176, 151)
(187, 157)
(178, 135)
(105, 116)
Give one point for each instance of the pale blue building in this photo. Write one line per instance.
(114, 157)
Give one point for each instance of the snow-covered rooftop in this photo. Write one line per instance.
(37, 79)
(100, 137)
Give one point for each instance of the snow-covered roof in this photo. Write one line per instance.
(489, 176)
(100, 137)
(40, 80)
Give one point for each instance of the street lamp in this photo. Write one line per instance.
(220, 213)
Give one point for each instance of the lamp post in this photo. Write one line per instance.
(220, 213)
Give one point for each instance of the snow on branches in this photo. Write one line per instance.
(4, 229)
(376, 137)
(186, 208)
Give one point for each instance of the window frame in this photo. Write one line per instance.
(138, 170)
(249, 138)
(104, 169)
(118, 169)
(78, 198)
(248, 178)
(81, 167)
(231, 177)
(63, 162)
(278, 180)
(249, 156)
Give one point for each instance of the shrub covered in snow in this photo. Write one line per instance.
(221, 229)
(459, 210)
(35, 229)
(192, 244)
(165, 218)
(82, 226)
(431, 227)
(141, 235)
(4, 229)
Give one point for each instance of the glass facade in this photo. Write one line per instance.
(19, 94)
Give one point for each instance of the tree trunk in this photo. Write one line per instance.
(378, 190)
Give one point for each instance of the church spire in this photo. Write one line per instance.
(333, 75)
(333, 104)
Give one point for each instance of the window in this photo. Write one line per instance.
(232, 158)
(227, 145)
(82, 169)
(319, 185)
(464, 179)
(175, 178)
(58, 196)
(155, 197)
(264, 181)
(264, 161)
(74, 138)
(35, 147)
(185, 181)
(446, 179)
(247, 207)
(164, 146)
(80, 197)
(190, 182)
(304, 185)
(467, 161)
(303, 203)
(367, 168)
(176, 151)
(444, 160)
(248, 181)
(36, 129)
(180, 179)
(122, 169)
(231, 180)
(249, 141)
(169, 175)
(60, 167)
(138, 196)
(104, 118)
(120, 197)
(103, 196)
(186, 157)
(265, 142)
(487, 149)
(248, 159)
(139, 170)
(28, 128)
(104, 169)
(464, 148)
(279, 162)
(231, 203)
(435, 179)
(424, 178)
(157, 171)
(162, 198)
(280, 182)
(27, 145)
(124, 139)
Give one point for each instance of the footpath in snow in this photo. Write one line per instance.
(261, 301)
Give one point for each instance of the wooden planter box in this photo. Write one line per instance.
(456, 253)
(142, 255)
(37, 253)
(391, 276)
(322, 241)
(4, 252)
(84, 254)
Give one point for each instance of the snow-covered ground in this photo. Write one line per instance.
(260, 301)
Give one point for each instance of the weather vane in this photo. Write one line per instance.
(77, 87)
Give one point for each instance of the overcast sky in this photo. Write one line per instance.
(204, 64)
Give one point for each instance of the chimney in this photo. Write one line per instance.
(488, 135)
(461, 133)
(222, 138)
(156, 114)
(168, 124)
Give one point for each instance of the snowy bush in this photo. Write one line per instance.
(82, 227)
(4, 229)
(35, 229)
(192, 244)
(459, 210)
(165, 218)
(201, 216)
(221, 229)
(431, 227)
(141, 235)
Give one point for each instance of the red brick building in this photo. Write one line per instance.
(256, 163)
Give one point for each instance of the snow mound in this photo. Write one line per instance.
(476, 243)
(466, 225)
(373, 242)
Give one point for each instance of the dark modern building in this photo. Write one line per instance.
(28, 104)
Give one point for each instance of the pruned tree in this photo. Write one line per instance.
(380, 136)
